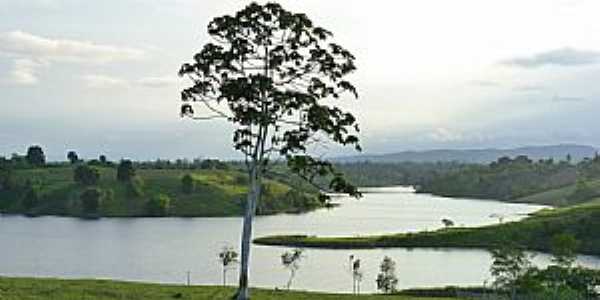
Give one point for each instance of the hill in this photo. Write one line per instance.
(557, 152)
(52, 191)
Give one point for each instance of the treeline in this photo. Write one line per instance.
(373, 174)
(514, 178)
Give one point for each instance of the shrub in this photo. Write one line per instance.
(86, 175)
(90, 200)
(125, 171)
(187, 184)
(158, 206)
(32, 197)
(135, 187)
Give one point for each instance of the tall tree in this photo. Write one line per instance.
(72, 157)
(35, 156)
(270, 73)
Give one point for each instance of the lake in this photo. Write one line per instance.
(166, 249)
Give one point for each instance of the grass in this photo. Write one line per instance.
(217, 193)
(534, 232)
(60, 289)
(557, 197)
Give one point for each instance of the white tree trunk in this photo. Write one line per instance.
(251, 202)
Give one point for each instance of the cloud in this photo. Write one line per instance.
(24, 72)
(485, 83)
(445, 135)
(557, 98)
(528, 88)
(25, 44)
(103, 81)
(558, 57)
(107, 81)
(30, 52)
(156, 82)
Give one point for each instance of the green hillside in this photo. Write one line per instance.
(215, 193)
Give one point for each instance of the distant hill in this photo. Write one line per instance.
(558, 152)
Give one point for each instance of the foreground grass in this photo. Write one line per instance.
(534, 232)
(59, 289)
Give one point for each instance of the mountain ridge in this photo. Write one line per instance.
(481, 155)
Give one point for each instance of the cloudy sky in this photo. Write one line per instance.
(100, 76)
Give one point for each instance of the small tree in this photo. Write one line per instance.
(510, 263)
(72, 157)
(270, 72)
(158, 206)
(447, 223)
(102, 159)
(187, 184)
(35, 156)
(86, 175)
(90, 200)
(125, 171)
(291, 261)
(357, 276)
(386, 279)
(228, 257)
(564, 249)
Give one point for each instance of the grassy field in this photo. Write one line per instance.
(534, 232)
(217, 193)
(58, 289)
(557, 197)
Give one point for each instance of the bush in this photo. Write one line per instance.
(91, 200)
(125, 171)
(86, 175)
(187, 184)
(32, 197)
(158, 206)
(135, 187)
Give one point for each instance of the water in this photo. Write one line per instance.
(164, 250)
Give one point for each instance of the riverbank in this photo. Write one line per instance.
(209, 193)
(62, 289)
(534, 232)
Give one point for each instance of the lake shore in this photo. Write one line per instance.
(534, 232)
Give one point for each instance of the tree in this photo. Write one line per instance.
(268, 72)
(227, 257)
(564, 249)
(447, 222)
(72, 157)
(187, 184)
(86, 175)
(90, 200)
(510, 263)
(357, 276)
(386, 279)
(35, 156)
(291, 261)
(125, 171)
(102, 159)
(158, 206)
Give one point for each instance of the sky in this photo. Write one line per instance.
(99, 77)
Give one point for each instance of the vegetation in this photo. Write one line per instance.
(291, 261)
(56, 289)
(52, 191)
(387, 281)
(86, 175)
(270, 73)
(535, 233)
(228, 258)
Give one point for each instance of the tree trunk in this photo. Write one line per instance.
(252, 199)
